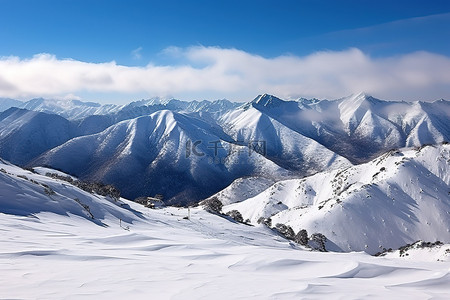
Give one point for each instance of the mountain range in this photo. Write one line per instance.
(188, 151)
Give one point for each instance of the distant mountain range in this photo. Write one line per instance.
(75, 109)
(190, 150)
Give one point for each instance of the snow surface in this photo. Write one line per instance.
(396, 199)
(52, 249)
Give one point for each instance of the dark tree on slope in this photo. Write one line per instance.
(317, 241)
(90, 187)
(285, 230)
(213, 205)
(267, 222)
(302, 237)
(236, 215)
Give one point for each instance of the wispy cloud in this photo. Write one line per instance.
(136, 53)
(212, 71)
(401, 23)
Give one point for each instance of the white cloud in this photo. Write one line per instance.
(136, 53)
(216, 72)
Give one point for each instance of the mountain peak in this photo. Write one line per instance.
(358, 99)
(361, 94)
(151, 101)
(267, 100)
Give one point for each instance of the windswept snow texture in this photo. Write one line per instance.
(52, 249)
(396, 199)
(156, 155)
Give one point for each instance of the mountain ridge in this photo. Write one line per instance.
(300, 137)
(396, 199)
(150, 155)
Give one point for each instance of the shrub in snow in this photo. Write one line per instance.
(61, 177)
(317, 241)
(150, 202)
(160, 197)
(285, 230)
(418, 245)
(86, 207)
(30, 169)
(213, 205)
(90, 187)
(236, 215)
(48, 191)
(403, 251)
(267, 222)
(302, 237)
(141, 200)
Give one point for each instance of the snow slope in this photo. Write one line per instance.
(51, 246)
(156, 154)
(243, 188)
(23, 193)
(396, 199)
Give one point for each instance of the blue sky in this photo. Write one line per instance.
(170, 36)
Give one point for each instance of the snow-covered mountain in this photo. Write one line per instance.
(23, 193)
(77, 110)
(166, 153)
(396, 199)
(62, 242)
(360, 127)
(25, 134)
(303, 136)
(6, 103)
(69, 109)
(283, 145)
